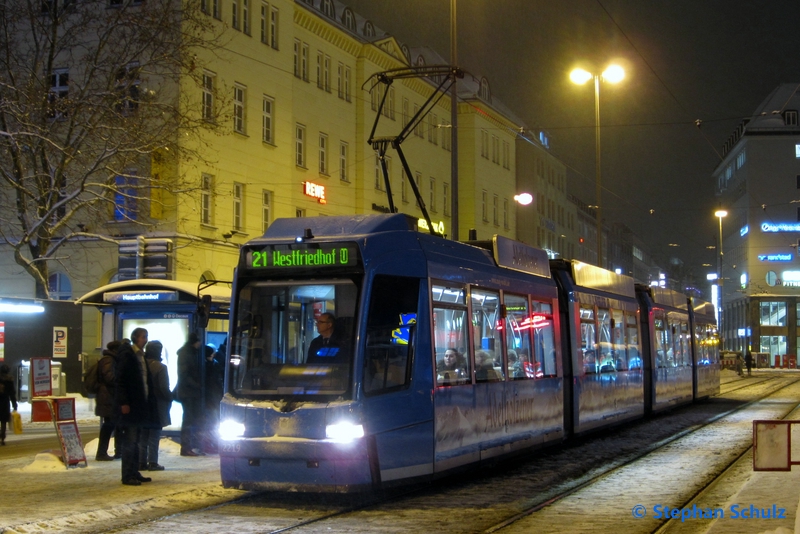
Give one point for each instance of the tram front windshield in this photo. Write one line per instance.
(293, 340)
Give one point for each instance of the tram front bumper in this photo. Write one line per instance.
(296, 464)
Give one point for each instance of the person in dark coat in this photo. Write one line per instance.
(104, 403)
(149, 437)
(132, 406)
(748, 362)
(8, 398)
(190, 395)
(214, 379)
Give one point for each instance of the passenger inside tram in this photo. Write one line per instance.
(451, 369)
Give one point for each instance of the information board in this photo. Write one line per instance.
(71, 445)
(40, 377)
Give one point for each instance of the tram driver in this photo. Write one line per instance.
(328, 347)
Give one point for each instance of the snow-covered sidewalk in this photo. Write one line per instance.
(38, 494)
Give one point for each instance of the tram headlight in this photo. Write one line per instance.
(229, 430)
(344, 432)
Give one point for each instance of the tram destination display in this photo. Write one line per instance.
(301, 256)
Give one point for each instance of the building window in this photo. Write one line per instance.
(388, 109)
(505, 214)
(495, 214)
(304, 61)
(239, 93)
(327, 9)
(349, 20)
(266, 209)
(264, 22)
(447, 136)
(238, 206)
(406, 118)
(206, 199)
(323, 153)
(432, 195)
(246, 16)
(208, 96)
(215, 7)
(418, 129)
(446, 199)
(495, 149)
(506, 155)
(484, 144)
(343, 162)
(484, 207)
(347, 84)
(299, 143)
(126, 196)
(273, 28)
(404, 186)
(340, 80)
(790, 117)
(299, 212)
(773, 313)
(128, 89)
(297, 58)
(235, 14)
(417, 181)
(326, 73)
(59, 91)
(59, 287)
(320, 55)
(267, 106)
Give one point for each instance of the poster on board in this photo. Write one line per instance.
(59, 342)
(40, 377)
(71, 446)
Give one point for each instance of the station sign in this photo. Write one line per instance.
(780, 227)
(140, 296)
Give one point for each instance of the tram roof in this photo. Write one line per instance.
(291, 228)
(187, 291)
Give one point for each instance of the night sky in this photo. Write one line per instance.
(685, 60)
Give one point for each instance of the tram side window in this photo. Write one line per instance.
(606, 359)
(544, 340)
(682, 345)
(634, 347)
(588, 340)
(487, 337)
(519, 324)
(391, 333)
(451, 336)
(662, 340)
(618, 340)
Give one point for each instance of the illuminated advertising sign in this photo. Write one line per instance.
(780, 227)
(317, 256)
(775, 257)
(315, 191)
(438, 227)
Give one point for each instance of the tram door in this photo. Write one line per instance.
(396, 396)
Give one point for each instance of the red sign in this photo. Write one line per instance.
(315, 190)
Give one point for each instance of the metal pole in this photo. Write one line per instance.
(598, 186)
(721, 290)
(453, 124)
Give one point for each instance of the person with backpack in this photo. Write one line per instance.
(104, 403)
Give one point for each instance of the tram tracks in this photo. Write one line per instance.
(492, 503)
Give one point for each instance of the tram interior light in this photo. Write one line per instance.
(229, 430)
(344, 432)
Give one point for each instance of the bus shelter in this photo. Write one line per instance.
(169, 310)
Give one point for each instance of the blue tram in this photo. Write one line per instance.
(364, 354)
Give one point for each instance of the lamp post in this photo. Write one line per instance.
(720, 214)
(613, 74)
(453, 124)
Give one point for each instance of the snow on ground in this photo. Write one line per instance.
(39, 494)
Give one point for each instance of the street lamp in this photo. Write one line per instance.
(720, 214)
(613, 74)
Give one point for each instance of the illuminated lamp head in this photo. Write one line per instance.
(306, 235)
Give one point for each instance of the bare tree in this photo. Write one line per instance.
(93, 102)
